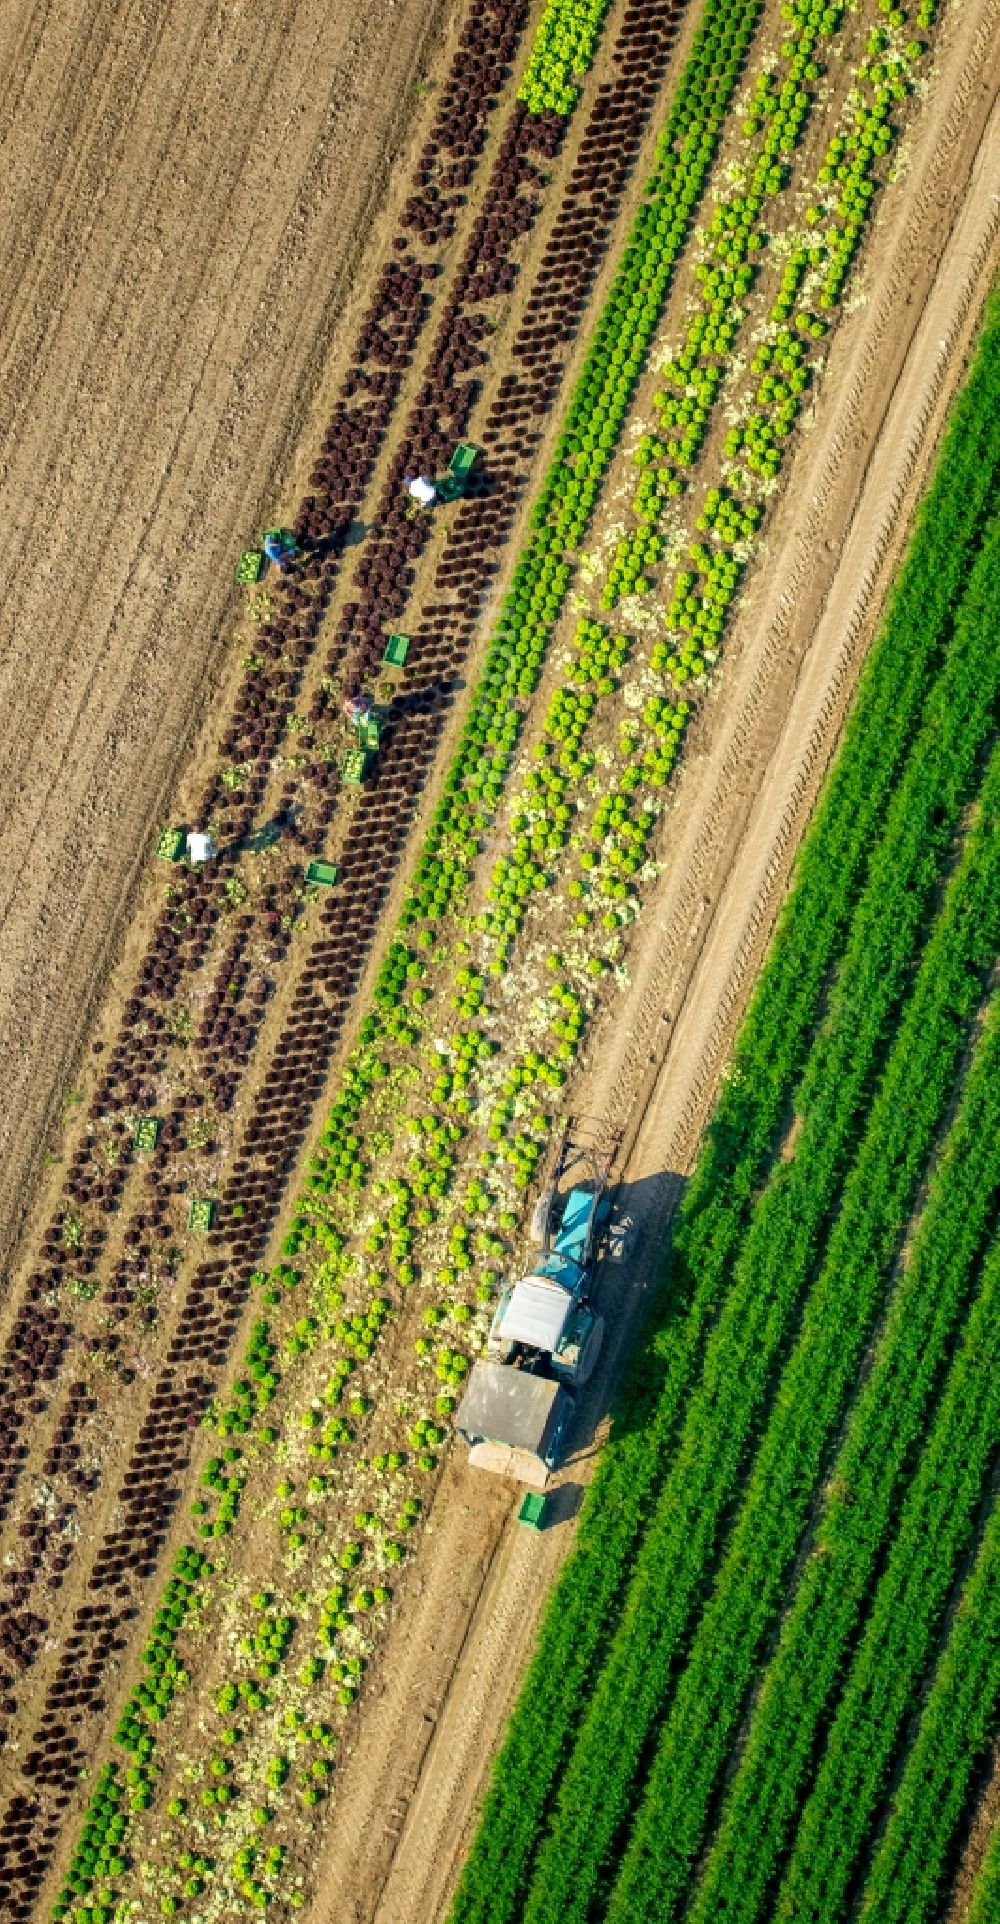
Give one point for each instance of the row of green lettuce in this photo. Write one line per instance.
(923, 669)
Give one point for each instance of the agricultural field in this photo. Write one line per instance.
(697, 282)
(757, 1499)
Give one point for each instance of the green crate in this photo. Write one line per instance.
(453, 484)
(396, 650)
(354, 766)
(463, 460)
(202, 1213)
(250, 566)
(323, 874)
(533, 1510)
(170, 844)
(147, 1132)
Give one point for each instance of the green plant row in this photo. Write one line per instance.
(762, 1297)
(97, 1858)
(669, 1830)
(100, 1856)
(898, 684)
(956, 1730)
(628, 323)
(696, 377)
(863, 1491)
(884, 1682)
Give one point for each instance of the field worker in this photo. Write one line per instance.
(200, 847)
(279, 549)
(422, 489)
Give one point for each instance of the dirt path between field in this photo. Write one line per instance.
(408, 1795)
(189, 187)
(984, 1823)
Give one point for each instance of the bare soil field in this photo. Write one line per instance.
(407, 1799)
(189, 189)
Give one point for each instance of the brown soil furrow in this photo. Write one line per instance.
(168, 402)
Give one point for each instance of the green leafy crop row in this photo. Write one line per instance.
(563, 48)
(883, 1683)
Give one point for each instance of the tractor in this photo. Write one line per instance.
(544, 1339)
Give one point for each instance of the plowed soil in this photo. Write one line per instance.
(187, 187)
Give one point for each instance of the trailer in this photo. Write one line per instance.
(514, 1421)
(545, 1338)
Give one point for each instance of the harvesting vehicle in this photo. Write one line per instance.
(544, 1339)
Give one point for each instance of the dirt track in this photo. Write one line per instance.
(186, 184)
(408, 1796)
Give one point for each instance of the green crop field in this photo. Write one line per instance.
(770, 1672)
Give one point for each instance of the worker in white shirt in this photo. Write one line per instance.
(421, 488)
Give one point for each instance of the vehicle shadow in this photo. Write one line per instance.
(634, 1293)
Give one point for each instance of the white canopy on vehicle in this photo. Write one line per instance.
(536, 1314)
(200, 848)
